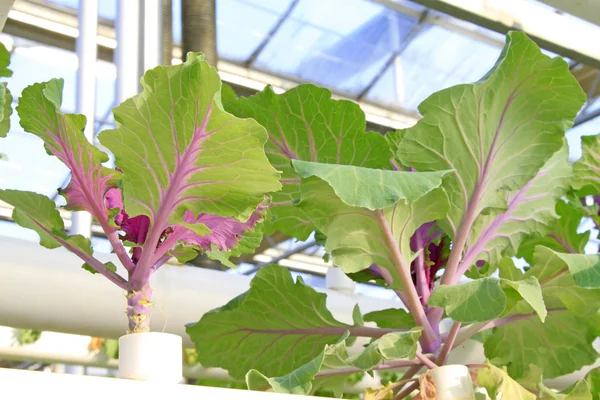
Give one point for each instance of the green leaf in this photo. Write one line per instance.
(533, 381)
(227, 93)
(27, 336)
(497, 133)
(499, 385)
(392, 346)
(392, 318)
(372, 189)
(298, 381)
(5, 109)
(550, 266)
(109, 266)
(62, 134)
(275, 327)
(304, 123)
(110, 347)
(357, 237)
(487, 298)
(563, 236)
(38, 212)
(559, 346)
(587, 168)
(184, 254)
(530, 210)
(4, 61)
(357, 316)
(181, 152)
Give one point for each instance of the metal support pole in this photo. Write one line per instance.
(153, 33)
(86, 89)
(127, 54)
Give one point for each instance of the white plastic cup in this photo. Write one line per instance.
(151, 356)
(452, 382)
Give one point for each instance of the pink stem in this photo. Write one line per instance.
(429, 339)
(426, 361)
(448, 344)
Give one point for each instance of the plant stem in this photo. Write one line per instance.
(387, 365)
(97, 265)
(407, 391)
(441, 360)
(422, 284)
(409, 374)
(465, 333)
(429, 339)
(426, 361)
(117, 245)
(138, 309)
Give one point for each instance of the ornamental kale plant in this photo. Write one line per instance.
(437, 213)
(188, 177)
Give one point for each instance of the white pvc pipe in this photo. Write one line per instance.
(32, 385)
(153, 33)
(49, 291)
(86, 89)
(127, 53)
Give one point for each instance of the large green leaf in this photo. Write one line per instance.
(5, 109)
(393, 318)
(563, 343)
(487, 298)
(180, 152)
(62, 134)
(357, 237)
(304, 123)
(5, 96)
(372, 189)
(501, 386)
(39, 213)
(530, 211)
(533, 381)
(494, 134)
(568, 280)
(275, 327)
(563, 236)
(587, 168)
(392, 346)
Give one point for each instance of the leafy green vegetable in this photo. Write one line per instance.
(563, 237)
(495, 134)
(275, 327)
(487, 298)
(378, 188)
(391, 318)
(357, 237)
(392, 346)
(5, 96)
(498, 383)
(587, 168)
(304, 123)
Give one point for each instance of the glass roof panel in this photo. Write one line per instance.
(106, 8)
(241, 27)
(437, 58)
(335, 45)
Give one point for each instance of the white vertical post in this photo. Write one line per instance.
(153, 34)
(86, 89)
(127, 54)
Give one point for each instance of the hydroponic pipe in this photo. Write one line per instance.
(48, 290)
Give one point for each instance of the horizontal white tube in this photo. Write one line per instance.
(49, 291)
(31, 385)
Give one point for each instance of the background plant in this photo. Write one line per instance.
(481, 178)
